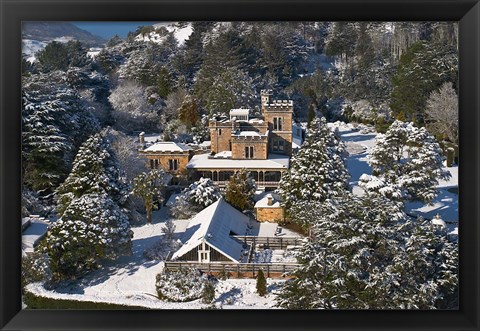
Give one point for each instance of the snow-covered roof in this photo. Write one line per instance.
(274, 161)
(206, 143)
(437, 220)
(263, 202)
(248, 134)
(241, 111)
(168, 146)
(214, 225)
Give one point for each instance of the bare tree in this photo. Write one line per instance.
(131, 108)
(442, 112)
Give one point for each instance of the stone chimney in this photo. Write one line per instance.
(141, 136)
(269, 200)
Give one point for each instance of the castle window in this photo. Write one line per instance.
(277, 123)
(278, 145)
(173, 164)
(219, 132)
(249, 152)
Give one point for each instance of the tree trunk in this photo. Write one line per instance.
(149, 215)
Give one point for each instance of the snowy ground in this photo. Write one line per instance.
(131, 279)
(360, 139)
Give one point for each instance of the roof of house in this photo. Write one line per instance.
(214, 225)
(274, 161)
(240, 111)
(263, 202)
(168, 146)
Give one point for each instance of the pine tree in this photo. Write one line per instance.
(149, 186)
(208, 292)
(261, 284)
(394, 177)
(240, 190)
(95, 170)
(366, 254)
(92, 228)
(318, 171)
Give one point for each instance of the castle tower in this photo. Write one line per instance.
(266, 98)
(279, 116)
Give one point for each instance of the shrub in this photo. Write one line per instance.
(261, 284)
(181, 285)
(208, 292)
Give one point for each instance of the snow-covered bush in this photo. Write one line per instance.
(208, 292)
(179, 286)
(91, 229)
(35, 268)
(194, 198)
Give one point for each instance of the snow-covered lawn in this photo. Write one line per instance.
(360, 139)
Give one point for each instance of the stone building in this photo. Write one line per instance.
(170, 156)
(268, 209)
(261, 145)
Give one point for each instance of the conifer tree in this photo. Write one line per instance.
(92, 229)
(406, 164)
(208, 292)
(240, 190)
(95, 170)
(318, 171)
(366, 254)
(261, 284)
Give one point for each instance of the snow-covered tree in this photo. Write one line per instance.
(366, 254)
(261, 285)
(169, 229)
(442, 112)
(95, 170)
(149, 186)
(195, 197)
(92, 228)
(406, 164)
(318, 171)
(240, 190)
(131, 108)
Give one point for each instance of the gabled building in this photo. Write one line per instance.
(261, 145)
(209, 235)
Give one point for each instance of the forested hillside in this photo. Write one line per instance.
(171, 79)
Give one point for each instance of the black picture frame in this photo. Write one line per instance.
(13, 12)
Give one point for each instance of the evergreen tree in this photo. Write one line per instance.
(318, 171)
(149, 186)
(406, 164)
(366, 254)
(261, 284)
(208, 292)
(61, 56)
(421, 70)
(95, 170)
(92, 228)
(240, 190)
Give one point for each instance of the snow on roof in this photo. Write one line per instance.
(240, 111)
(263, 202)
(248, 134)
(168, 146)
(437, 220)
(214, 225)
(206, 143)
(274, 161)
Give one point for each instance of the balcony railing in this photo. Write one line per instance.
(223, 183)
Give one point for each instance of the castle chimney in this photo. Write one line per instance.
(142, 138)
(269, 200)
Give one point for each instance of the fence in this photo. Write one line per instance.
(270, 242)
(236, 269)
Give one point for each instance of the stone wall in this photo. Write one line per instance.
(273, 215)
(260, 147)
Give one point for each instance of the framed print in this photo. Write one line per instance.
(240, 165)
